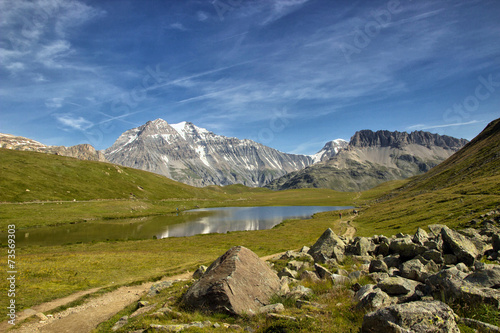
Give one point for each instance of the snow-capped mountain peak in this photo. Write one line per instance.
(330, 149)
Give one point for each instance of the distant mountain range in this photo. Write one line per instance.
(196, 156)
(372, 158)
(82, 152)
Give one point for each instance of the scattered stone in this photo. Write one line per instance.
(323, 249)
(120, 323)
(297, 265)
(479, 325)
(449, 283)
(237, 282)
(406, 248)
(159, 286)
(418, 317)
(378, 265)
(143, 310)
(300, 292)
(287, 272)
(461, 246)
(339, 279)
(322, 272)
(309, 276)
(41, 316)
(450, 259)
(272, 308)
(485, 278)
(397, 286)
(434, 255)
(371, 298)
(280, 317)
(199, 272)
(420, 237)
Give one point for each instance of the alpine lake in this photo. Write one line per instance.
(182, 224)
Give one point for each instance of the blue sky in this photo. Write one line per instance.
(291, 74)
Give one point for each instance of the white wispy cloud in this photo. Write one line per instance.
(178, 26)
(427, 127)
(74, 122)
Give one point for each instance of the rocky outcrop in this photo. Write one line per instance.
(367, 138)
(417, 317)
(372, 158)
(196, 156)
(413, 274)
(83, 152)
(238, 283)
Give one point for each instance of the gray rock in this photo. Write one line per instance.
(120, 323)
(496, 242)
(462, 247)
(287, 272)
(382, 249)
(361, 246)
(420, 237)
(309, 276)
(415, 317)
(395, 286)
(339, 279)
(322, 272)
(272, 308)
(450, 259)
(462, 267)
(371, 298)
(412, 269)
(159, 286)
(297, 265)
(480, 326)
(323, 249)
(199, 272)
(434, 255)
(450, 285)
(300, 292)
(356, 275)
(393, 260)
(485, 278)
(406, 248)
(378, 265)
(237, 282)
(436, 229)
(378, 276)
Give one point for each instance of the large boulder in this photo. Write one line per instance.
(485, 278)
(417, 317)
(236, 283)
(460, 245)
(328, 246)
(396, 286)
(450, 284)
(406, 248)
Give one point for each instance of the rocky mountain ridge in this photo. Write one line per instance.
(82, 151)
(196, 156)
(372, 158)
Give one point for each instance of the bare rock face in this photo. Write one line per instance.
(236, 283)
(418, 317)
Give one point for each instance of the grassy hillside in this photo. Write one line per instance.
(460, 189)
(31, 176)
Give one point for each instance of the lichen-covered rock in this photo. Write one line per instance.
(462, 247)
(238, 282)
(324, 247)
(415, 317)
(397, 286)
(378, 266)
